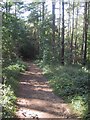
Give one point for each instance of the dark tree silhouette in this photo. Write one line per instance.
(62, 43)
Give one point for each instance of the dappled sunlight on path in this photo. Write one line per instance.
(36, 99)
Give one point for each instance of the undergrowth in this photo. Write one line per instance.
(70, 83)
(9, 87)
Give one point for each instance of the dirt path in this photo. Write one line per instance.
(36, 99)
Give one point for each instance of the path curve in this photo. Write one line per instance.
(36, 99)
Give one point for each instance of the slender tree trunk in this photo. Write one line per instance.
(83, 43)
(37, 32)
(15, 9)
(69, 22)
(59, 19)
(59, 29)
(86, 28)
(62, 43)
(43, 18)
(69, 31)
(71, 56)
(40, 42)
(53, 28)
(40, 12)
(75, 58)
(6, 9)
(9, 7)
(43, 8)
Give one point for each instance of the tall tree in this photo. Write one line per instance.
(6, 6)
(83, 41)
(43, 18)
(72, 35)
(75, 44)
(43, 9)
(53, 28)
(85, 34)
(40, 11)
(59, 28)
(62, 43)
(69, 21)
(15, 8)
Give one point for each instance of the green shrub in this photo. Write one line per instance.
(7, 101)
(70, 83)
(23, 66)
(11, 75)
(28, 50)
(79, 105)
(14, 70)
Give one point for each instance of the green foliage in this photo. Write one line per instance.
(13, 33)
(22, 65)
(11, 75)
(16, 41)
(27, 50)
(7, 100)
(12, 72)
(27, 39)
(8, 38)
(70, 83)
(46, 51)
(80, 105)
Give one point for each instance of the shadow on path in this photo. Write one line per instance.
(37, 100)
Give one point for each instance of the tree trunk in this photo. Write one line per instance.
(53, 28)
(62, 43)
(15, 9)
(6, 9)
(59, 29)
(75, 58)
(43, 8)
(9, 7)
(43, 17)
(40, 11)
(71, 46)
(86, 28)
(69, 22)
(83, 42)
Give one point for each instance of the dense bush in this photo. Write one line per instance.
(12, 72)
(70, 83)
(13, 32)
(27, 51)
(11, 76)
(7, 100)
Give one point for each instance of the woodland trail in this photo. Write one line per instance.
(37, 100)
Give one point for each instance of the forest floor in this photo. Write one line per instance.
(36, 98)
